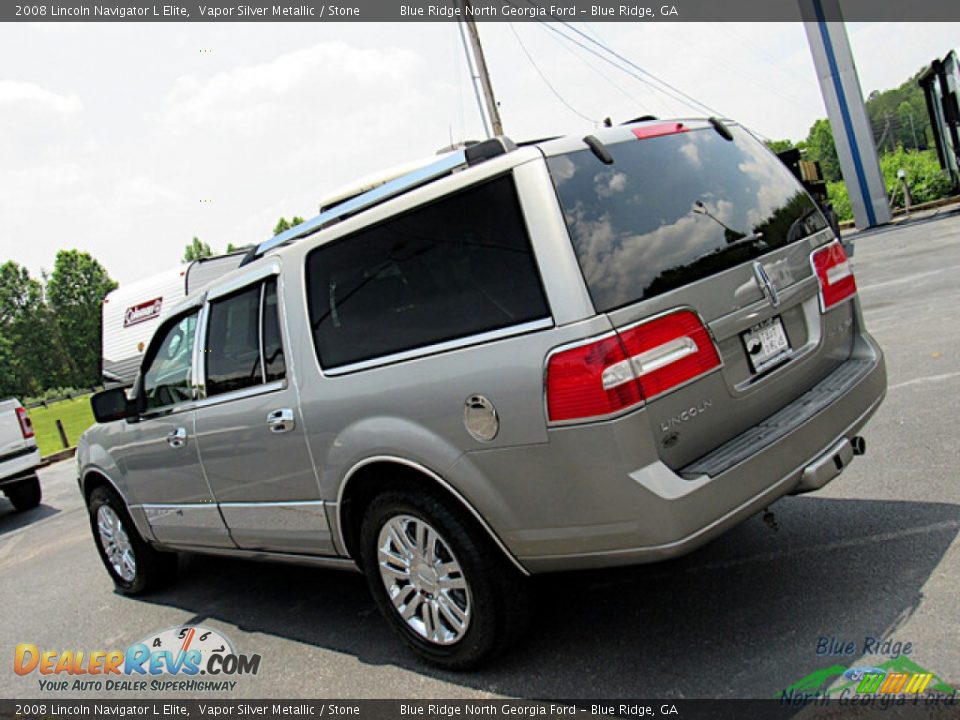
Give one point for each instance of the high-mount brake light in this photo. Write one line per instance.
(619, 371)
(833, 269)
(645, 132)
(26, 425)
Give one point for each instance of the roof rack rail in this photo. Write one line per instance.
(466, 157)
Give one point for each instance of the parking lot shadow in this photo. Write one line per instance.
(11, 520)
(739, 618)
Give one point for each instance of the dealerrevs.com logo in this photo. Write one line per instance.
(186, 658)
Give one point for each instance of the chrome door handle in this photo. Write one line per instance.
(177, 438)
(280, 421)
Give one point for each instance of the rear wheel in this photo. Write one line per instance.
(135, 567)
(442, 584)
(25, 495)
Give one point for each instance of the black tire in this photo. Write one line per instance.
(25, 495)
(154, 569)
(498, 593)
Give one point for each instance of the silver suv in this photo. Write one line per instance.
(576, 353)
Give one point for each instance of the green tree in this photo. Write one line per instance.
(778, 146)
(30, 355)
(195, 250)
(820, 147)
(75, 295)
(283, 224)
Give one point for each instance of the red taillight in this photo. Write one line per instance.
(833, 269)
(26, 427)
(651, 131)
(576, 387)
(619, 371)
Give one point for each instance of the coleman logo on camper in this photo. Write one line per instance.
(141, 313)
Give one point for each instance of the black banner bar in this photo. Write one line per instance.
(482, 10)
(774, 709)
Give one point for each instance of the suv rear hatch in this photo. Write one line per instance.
(700, 249)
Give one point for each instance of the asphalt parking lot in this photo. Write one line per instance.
(875, 554)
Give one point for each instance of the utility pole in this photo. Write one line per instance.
(491, 102)
(473, 81)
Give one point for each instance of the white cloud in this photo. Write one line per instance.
(20, 97)
(251, 97)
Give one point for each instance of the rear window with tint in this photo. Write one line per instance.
(457, 267)
(674, 209)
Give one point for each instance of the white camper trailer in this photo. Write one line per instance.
(131, 312)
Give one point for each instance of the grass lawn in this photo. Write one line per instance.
(75, 415)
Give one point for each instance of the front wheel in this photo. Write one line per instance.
(440, 581)
(135, 567)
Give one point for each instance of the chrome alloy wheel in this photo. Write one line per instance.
(116, 544)
(423, 579)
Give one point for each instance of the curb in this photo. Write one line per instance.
(57, 457)
(900, 212)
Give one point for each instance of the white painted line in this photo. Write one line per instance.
(924, 379)
(906, 279)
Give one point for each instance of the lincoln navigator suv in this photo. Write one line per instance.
(574, 353)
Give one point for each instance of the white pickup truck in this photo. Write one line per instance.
(19, 456)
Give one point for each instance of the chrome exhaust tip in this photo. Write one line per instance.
(859, 445)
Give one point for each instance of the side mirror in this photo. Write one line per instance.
(112, 404)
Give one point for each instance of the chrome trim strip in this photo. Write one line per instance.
(439, 480)
(263, 364)
(437, 348)
(193, 515)
(241, 394)
(324, 561)
(379, 194)
(170, 410)
(239, 282)
(298, 516)
(199, 364)
(646, 400)
(730, 324)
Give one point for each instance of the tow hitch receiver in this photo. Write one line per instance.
(826, 467)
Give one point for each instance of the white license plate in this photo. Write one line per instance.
(766, 344)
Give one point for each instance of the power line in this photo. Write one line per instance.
(641, 70)
(697, 105)
(623, 91)
(611, 62)
(673, 92)
(543, 77)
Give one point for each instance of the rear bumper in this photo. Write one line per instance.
(15, 467)
(594, 514)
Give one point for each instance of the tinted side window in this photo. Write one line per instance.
(457, 267)
(233, 342)
(166, 376)
(275, 365)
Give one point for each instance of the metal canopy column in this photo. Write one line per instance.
(843, 98)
